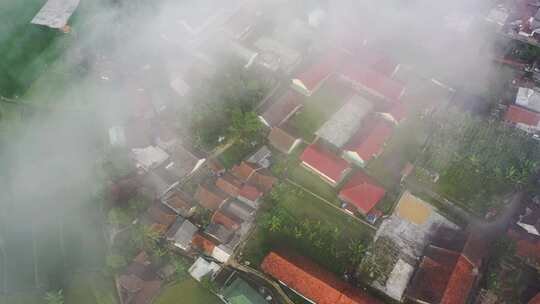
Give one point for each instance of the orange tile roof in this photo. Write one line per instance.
(210, 197)
(243, 171)
(460, 283)
(362, 192)
(228, 221)
(535, 300)
(250, 192)
(203, 244)
(312, 281)
(229, 184)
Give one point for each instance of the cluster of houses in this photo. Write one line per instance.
(355, 133)
(524, 113)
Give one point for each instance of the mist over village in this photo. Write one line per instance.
(269, 152)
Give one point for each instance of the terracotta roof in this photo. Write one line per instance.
(374, 81)
(281, 140)
(250, 192)
(369, 141)
(535, 300)
(313, 282)
(362, 192)
(229, 221)
(180, 202)
(325, 162)
(215, 166)
(398, 111)
(375, 60)
(159, 214)
(210, 197)
(527, 247)
(460, 282)
(203, 244)
(229, 184)
(244, 171)
(517, 114)
(263, 180)
(283, 108)
(444, 276)
(313, 76)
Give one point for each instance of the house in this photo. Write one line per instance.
(250, 195)
(139, 283)
(56, 13)
(222, 253)
(182, 164)
(328, 166)
(229, 184)
(219, 233)
(368, 142)
(203, 243)
(216, 167)
(202, 268)
(522, 118)
(282, 140)
(181, 234)
(158, 217)
(528, 98)
(239, 210)
(149, 157)
(210, 197)
(314, 76)
(240, 292)
(375, 60)
(252, 174)
(309, 280)
(361, 192)
(345, 122)
(525, 232)
(449, 268)
(180, 202)
(373, 82)
(261, 157)
(282, 109)
(275, 56)
(227, 220)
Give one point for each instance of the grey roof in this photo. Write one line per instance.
(181, 164)
(181, 233)
(156, 184)
(56, 13)
(219, 232)
(239, 209)
(345, 122)
(287, 56)
(528, 98)
(261, 157)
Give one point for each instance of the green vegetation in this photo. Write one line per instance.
(318, 109)
(90, 288)
(313, 183)
(310, 227)
(479, 161)
(189, 291)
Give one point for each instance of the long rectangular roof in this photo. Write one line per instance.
(56, 13)
(345, 122)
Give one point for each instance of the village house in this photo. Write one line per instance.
(314, 76)
(210, 197)
(282, 109)
(361, 193)
(311, 281)
(149, 158)
(227, 220)
(254, 175)
(345, 122)
(261, 157)
(139, 283)
(158, 217)
(250, 195)
(180, 202)
(368, 80)
(181, 164)
(229, 184)
(528, 98)
(202, 268)
(283, 141)
(218, 233)
(56, 13)
(523, 119)
(328, 166)
(275, 56)
(239, 210)
(181, 233)
(525, 232)
(368, 142)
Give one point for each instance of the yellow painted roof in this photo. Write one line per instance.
(413, 209)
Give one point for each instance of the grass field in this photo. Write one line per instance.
(90, 288)
(319, 108)
(314, 183)
(188, 291)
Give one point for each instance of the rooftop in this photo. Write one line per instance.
(345, 122)
(324, 162)
(282, 109)
(281, 140)
(519, 115)
(528, 98)
(240, 292)
(368, 142)
(210, 197)
(56, 13)
(362, 192)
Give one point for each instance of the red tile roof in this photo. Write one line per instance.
(228, 221)
(210, 197)
(362, 192)
(203, 244)
(244, 171)
(312, 281)
(250, 192)
(535, 300)
(313, 77)
(283, 108)
(263, 180)
(527, 248)
(325, 162)
(229, 184)
(444, 276)
(517, 114)
(374, 81)
(460, 283)
(369, 141)
(281, 140)
(375, 60)
(398, 111)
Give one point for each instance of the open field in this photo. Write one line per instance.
(88, 288)
(313, 183)
(187, 291)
